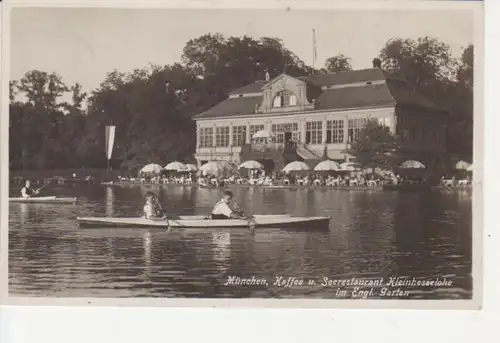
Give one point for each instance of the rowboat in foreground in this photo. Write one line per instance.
(44, 200)
(259, 221)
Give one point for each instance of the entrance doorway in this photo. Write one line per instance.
(288, 136)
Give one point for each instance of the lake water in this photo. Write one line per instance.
(373, 234)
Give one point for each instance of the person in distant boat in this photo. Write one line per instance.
(27, 192)
(152, 209)
(227, 209)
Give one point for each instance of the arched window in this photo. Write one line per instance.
(284, 99)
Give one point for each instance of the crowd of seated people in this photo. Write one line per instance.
(453, 182)
(305, 179)
(182, 179)
(309, 179)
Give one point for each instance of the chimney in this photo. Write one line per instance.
(267, 76)
(377, 63)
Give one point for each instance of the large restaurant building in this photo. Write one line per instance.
(319, 115)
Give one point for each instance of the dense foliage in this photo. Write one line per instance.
(375, 146)
(153, 117)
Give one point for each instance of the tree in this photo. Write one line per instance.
(375, 146)
(37, 122)
(445, 80)
(420, 61)
(465, 72)
(338, 63)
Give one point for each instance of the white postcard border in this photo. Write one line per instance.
(478, 231)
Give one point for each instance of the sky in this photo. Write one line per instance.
(84, 44)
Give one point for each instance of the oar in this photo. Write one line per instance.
(39, 189)
(169, 228)
(251, 223)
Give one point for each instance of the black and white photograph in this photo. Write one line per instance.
(244, 153)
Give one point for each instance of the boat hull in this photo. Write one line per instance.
(43, 200)
(262, 221)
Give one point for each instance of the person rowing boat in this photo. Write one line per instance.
(152, 209)
(27, 192)
(226, 208)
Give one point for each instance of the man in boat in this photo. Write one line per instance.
(27, 192)
(227, 209)
(152, 209)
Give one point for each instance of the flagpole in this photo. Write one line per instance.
(314, 50)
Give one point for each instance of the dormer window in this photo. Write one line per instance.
(285, 99)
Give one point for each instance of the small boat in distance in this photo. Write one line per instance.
(43, 200)
(283, 221)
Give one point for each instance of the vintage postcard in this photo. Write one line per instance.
(271, 155)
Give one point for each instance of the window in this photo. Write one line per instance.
(222, 136)
(385, 121)
(285, 99)
(354, 126)
(239, 135)
(255, 128)
(335, 131)
(280, 129)
(206, 137)
(314, 131)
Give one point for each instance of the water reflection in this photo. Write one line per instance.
(222, 250)
(372, 234)
(110, 197)
(146, 243)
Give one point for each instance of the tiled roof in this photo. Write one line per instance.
(255, 87)
(390, 93)
(232, 107)
(355, 97)
(405, 95)
(345, 77)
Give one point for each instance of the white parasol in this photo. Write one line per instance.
(191, 167)
(350, 166)
(411, 164)
(216, 167)
(251, 164)
(462, 165)
(296, 166)
(327, 165)
(176, 166)
(263, 134)
(151, 168)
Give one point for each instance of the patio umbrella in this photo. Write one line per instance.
(251, 164)
(471, 168)
(263, 134)
(216, 168)
(462, 165)
(411, 164)
(296, 166)
(176, 166)
(350, 166)
(191, 167)
(327, 165)
(151, 168)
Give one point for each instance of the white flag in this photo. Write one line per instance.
(110, 140)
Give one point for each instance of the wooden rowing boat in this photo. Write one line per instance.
(44, 200)
(260, 221)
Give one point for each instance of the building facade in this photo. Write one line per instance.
(321, 115)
